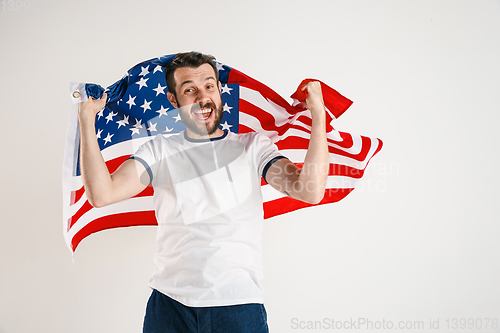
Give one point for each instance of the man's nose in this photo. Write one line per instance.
(202, 96)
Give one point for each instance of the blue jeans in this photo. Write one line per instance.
(163, 314)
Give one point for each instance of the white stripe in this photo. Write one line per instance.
(355, 149)
(334, 182)
(330, 113)
(77, 205)
(269, 193)
(280, 114)
(70, 154)
(126, 206)
(254, 123)
(74, 183)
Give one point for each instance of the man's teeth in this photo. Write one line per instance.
(203, 111)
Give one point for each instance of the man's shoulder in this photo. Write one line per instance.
(160, 141)
(253, 141)
(248, 136)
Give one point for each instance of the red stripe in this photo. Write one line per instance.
(284, 205)
(243, 80)
(380, 144)
(337, 103)
(308, 121)
(76, 195)
(73, 219)
(305, 119)
(266, 120)
(114, 221)
(114, 163)
(148, 191)
(244, 129)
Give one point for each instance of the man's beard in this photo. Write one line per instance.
(209, 128)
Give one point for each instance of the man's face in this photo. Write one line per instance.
(198, 100)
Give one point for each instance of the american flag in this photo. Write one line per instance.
(137, 110)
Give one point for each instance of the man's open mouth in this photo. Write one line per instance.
(204, 113)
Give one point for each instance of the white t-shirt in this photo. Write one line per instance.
(209, 209)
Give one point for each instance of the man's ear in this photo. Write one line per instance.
(220, 87)
(172, 99)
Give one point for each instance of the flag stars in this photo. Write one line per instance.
(226, 89)
(123, 122)
(220, 67)
(146, 105)
(142, 83)
(98, 134)
(177, 118)
(138, 123)
(131, 101)
(158, 68)
(227, 108)
(144, 71)
(152, 127)
(226, 126)
(100, 114)
(137, 127)
(110, 116)
(162, 111)
(107, 139)
(160, 90)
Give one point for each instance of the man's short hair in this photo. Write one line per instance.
(188, 59)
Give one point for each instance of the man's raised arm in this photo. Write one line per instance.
(307, 184)
(102, 188)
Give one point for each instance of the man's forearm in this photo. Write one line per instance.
(315, 169)
(95, 174)
(306, 184)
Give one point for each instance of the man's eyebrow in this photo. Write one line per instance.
(189, 81)
(185, 82)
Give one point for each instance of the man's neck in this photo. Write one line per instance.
(217, 134)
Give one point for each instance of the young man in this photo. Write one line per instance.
(207, 201)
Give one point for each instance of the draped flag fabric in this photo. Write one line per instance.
(137, 110)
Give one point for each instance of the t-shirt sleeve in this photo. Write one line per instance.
(147, 155)
(267, 153)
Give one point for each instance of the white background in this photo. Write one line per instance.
(418, 241)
